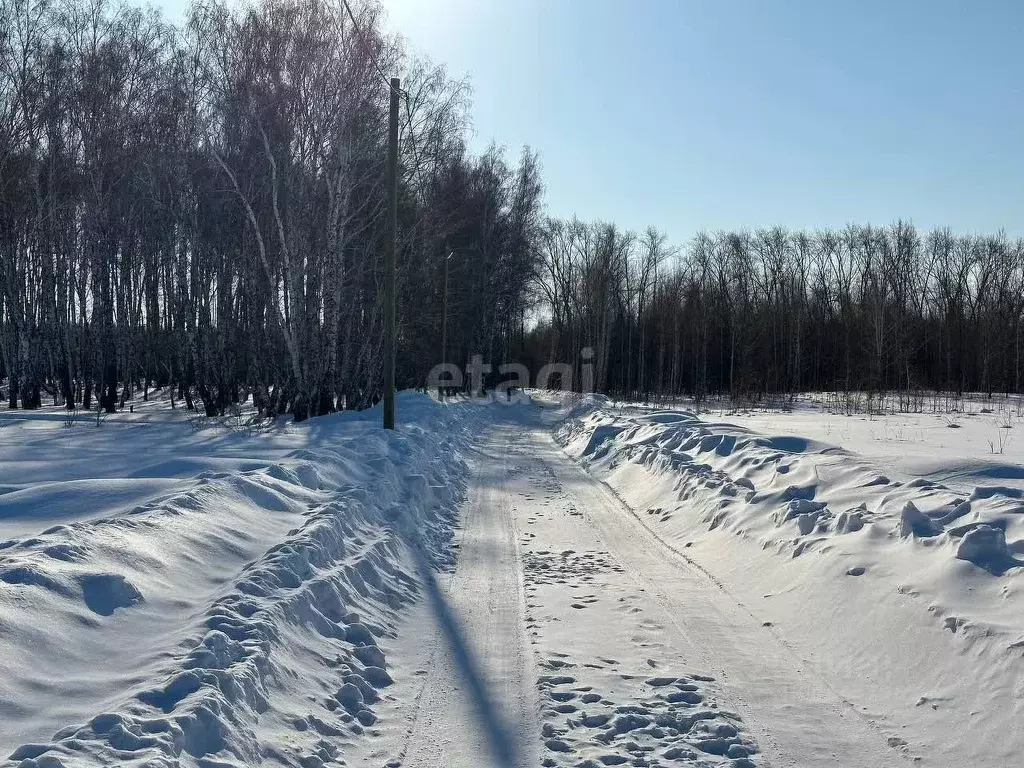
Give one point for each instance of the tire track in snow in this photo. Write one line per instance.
(799, 719)
(477, 706)
(618, 685)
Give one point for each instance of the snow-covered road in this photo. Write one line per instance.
(474, 703)
(572, 608)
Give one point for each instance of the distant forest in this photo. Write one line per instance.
(748, 314)
(201, 207)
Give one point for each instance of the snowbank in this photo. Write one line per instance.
(206, 596)
(907, 594)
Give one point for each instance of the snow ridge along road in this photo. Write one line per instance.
(232, 617)
(896, 600)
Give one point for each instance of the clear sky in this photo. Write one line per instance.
(740, 113)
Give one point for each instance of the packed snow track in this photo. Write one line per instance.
(634, 655)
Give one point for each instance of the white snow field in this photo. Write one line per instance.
(171, 595)
(550, 583)
(981, 442)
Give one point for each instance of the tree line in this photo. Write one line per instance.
(201, 206)
(746, 314)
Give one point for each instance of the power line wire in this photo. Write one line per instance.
(359, 32)
(404, 93)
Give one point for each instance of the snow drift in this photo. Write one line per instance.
(907, 594)
(212, 598)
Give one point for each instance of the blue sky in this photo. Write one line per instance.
(742, 113)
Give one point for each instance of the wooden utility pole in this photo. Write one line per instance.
(444, 321)
(389, 260)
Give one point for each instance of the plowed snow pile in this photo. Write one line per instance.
(171, 595)
(905, 594)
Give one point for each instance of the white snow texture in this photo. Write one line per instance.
(167, 595)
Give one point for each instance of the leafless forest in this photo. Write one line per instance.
(747, 314)
(200, 207)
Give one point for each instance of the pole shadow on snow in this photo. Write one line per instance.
(499, 738)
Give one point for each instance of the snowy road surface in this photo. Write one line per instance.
(573, 609)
